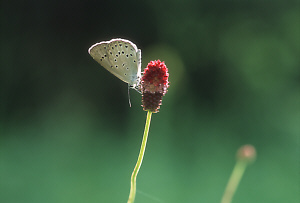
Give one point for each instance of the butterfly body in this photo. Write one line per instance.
(120, 57)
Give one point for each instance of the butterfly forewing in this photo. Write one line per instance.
(120, 57)
(99, 53)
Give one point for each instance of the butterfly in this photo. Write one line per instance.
(121, 57)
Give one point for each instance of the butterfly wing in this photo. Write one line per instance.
(120, 57)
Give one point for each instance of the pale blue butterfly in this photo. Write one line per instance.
(121, 57)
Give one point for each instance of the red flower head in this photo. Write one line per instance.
(154, 84)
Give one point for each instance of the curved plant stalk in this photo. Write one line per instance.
(140, 159)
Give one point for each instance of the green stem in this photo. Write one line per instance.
(140, 159)
(234, 181)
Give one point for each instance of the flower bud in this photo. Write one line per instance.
(246, 153)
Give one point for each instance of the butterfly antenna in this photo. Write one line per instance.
(129, 96)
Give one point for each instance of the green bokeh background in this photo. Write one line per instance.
(68, 135)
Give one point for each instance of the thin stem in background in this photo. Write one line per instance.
(234, 181)
(140, 159)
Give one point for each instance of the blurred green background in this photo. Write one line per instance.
(67, 133)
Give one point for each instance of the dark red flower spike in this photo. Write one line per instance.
(154, 85)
